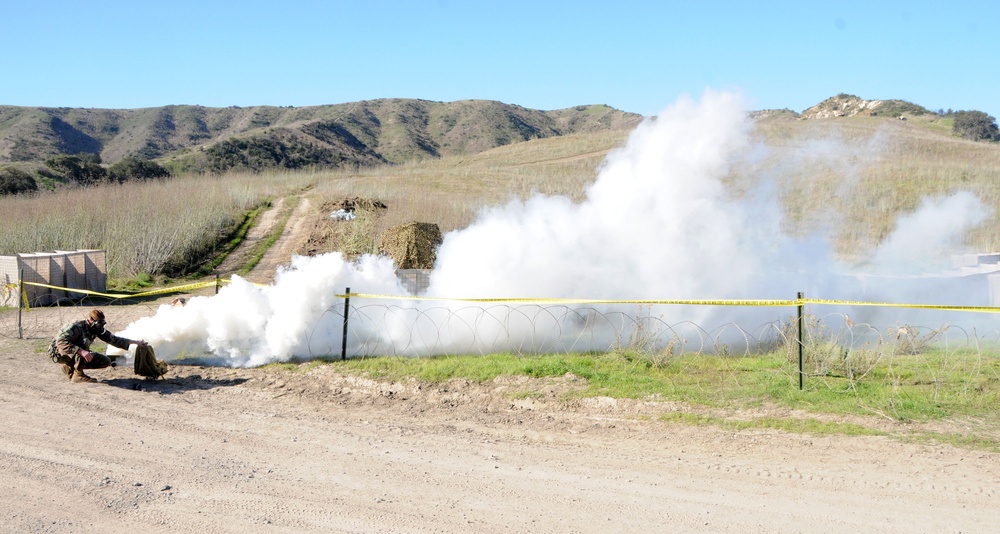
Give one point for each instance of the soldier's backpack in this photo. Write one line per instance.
(145, 362)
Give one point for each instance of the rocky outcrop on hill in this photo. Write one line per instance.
(841, 106)
(844, 105)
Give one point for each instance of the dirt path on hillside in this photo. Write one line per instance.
(314, 450)
(599, 154)
(294, 235)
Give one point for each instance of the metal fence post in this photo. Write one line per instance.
(801, 344)
(217, 284)
(347, 307)
(20, 299)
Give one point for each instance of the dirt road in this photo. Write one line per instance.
(256, 450)
(294, 234)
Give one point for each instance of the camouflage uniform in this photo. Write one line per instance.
(65, 348)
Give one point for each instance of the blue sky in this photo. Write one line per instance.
(634, 56)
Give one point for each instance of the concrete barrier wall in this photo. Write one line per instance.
(72, 269)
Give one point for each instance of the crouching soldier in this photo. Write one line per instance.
(71, 346)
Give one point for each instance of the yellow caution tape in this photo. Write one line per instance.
(987, 309)
(696, 302)
(519, 300)
(523, 300)
(174, 289)
(8, 289)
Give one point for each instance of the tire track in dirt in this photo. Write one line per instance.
(293, 236)
(261, 228)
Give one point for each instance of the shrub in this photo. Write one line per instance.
(975, 125)
(134, 168)
(897, 108)
(260, 153)
(14, 181)
(84, 169)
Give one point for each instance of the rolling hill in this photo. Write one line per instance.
(370, 132)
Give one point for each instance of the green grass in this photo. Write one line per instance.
(905, 390)
(249, 219)
(721, 391)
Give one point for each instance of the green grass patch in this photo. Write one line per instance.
(909, 388)
(963, 440)
(899, 388)
(237, 237)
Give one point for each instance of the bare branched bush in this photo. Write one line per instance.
(912, 339)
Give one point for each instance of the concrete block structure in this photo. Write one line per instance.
(64, 270)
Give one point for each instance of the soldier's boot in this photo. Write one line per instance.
(68, 371)
(78, 376)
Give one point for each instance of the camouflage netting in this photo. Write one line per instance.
(412, 245)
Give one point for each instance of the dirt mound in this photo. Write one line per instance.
(412, 245)
(359, 203)
(344, 226)
(785, 113)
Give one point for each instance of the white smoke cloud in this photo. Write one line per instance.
(929, 235)
(248, 325)
(657, 223)
(654, 223)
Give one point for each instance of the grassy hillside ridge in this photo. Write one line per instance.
(854, 177)
(198, 139)
(358, 133)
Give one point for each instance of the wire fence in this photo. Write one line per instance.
(822, 349)
(34, 318)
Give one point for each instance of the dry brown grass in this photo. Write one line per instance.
(849, 177)
(449, 192)
(873, 171)
(142, 226)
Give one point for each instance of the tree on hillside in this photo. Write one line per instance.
(84, 169)
(134, 168)
(898, 108)
(975, 125)
(261, 153)
(14, 181)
